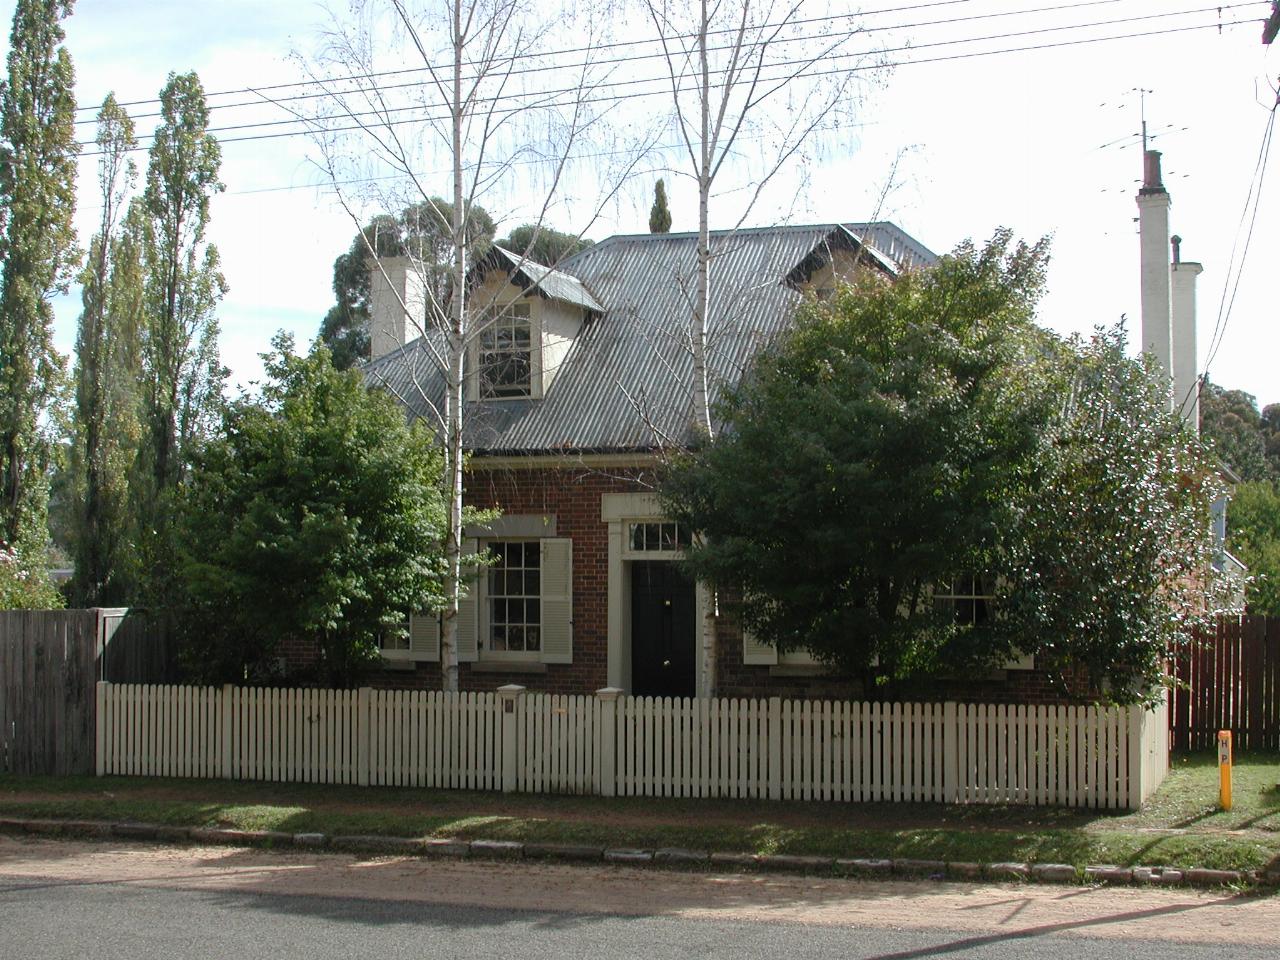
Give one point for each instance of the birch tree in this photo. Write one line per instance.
(477, 111)
(751, 84)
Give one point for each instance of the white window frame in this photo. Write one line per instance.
(981, 591)
(631, 552)
(1020, 661)
(490, 320)
(397, 653)
(484, 650)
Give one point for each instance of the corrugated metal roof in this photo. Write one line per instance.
(625, 383)
(550, 282)
(898, 245)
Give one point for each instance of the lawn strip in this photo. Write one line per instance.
(1073, 846)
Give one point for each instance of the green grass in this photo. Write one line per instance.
(1180, 826)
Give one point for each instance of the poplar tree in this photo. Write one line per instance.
(659, 215)
(107, 373)
(37, 250)
(182, 376)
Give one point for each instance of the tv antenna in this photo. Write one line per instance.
(1142, 112)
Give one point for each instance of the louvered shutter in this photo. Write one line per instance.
(756, 653)
(469, 611)
(424, 636)
(557, 600)
(1023, 661)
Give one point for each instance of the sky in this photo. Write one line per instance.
(1042, 141)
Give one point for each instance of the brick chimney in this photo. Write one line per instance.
(1186, 385)
(397, 304)
(1153, 230)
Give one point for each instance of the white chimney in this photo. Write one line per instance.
(397, 304)
(1153, 229)
(1186, 384)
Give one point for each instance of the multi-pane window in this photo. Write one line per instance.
(394, 639)
(513, 596)
(657, 537)
(506, 352)
(967, 596)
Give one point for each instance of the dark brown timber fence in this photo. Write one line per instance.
(1230, 680)
(50, 661)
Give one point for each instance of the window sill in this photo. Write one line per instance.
(508, 666)
(401, 664)
(799, 670)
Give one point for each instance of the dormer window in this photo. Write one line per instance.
(506, 353)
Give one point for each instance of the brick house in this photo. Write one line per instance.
(579, 380)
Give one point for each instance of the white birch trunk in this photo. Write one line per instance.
(702, 295)
(456, 358)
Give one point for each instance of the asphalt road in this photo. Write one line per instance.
(78, 900)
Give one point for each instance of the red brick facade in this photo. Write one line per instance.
(572, 496)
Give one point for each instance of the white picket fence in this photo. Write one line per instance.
(611, 745)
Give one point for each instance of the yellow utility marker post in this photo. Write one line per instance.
(1224, 769)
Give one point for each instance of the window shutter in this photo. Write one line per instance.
(757, 653)
(1023, 661)
(424, 636)
(468, 611)
(557, 600)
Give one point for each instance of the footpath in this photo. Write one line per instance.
(1178, 838)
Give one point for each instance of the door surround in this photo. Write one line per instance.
(618, 510)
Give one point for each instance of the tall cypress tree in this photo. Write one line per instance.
(107, 373)
(659, 215)
(37, 249)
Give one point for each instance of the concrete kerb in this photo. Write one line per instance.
(666, 856)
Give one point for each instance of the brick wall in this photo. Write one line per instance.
(573, 496)
(739, 679)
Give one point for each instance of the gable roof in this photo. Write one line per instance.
(624, 384)
(531, 276)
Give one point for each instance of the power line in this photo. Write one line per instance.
(1254, 196)
(572, 50)
(666, 92)
(664, 79)
(635, 58)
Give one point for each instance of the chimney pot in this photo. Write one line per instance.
(1177, 248)
(1151, 179)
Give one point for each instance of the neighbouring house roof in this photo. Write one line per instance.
(625, 383)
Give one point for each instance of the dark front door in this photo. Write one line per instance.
(662, 630)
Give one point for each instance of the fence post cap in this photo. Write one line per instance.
(609, 693)
(510, 691)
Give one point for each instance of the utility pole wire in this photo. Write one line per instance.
(1254, 196)
(635, 58)
(881, 65)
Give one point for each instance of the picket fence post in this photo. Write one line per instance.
(100, 729)
(510, 697)
(608, 734)
(228, 692)
(775, 748)
(364, 743)
(950, 754)
(1137, 752)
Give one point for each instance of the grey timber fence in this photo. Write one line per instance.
(50, 663)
